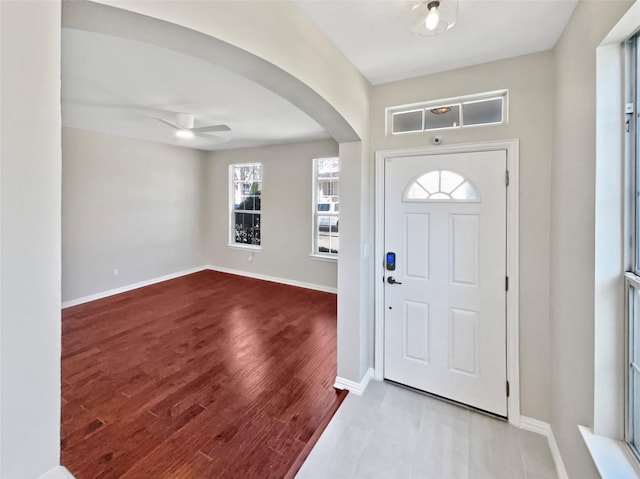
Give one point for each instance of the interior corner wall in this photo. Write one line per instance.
(573, 230)
(530, 81)
(129, 205)
(29, 238)
(286, 226)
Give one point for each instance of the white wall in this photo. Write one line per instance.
(286, 213)
(129, 205)
(572, 229)
(29, 238)
(529, 80)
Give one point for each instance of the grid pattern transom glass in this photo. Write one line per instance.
(472, 110)
(441, 185)
(246, 199)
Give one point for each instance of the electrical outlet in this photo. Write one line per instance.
(116, 271)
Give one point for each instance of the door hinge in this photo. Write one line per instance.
(507, 388)
(506, 178)
(506, 283)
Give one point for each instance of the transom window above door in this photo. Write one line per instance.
(441, 185)
(481, 109)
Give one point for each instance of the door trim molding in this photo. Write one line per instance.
(512, 148)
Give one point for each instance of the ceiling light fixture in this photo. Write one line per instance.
(432, 17)
(184, 134)
(441, 110)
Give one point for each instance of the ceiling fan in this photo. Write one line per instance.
(184, 127)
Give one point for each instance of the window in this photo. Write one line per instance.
(326, 207)
(632, 276)
(481, 109)
(245, 204)
(440, 185)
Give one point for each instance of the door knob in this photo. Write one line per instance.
(391, 280)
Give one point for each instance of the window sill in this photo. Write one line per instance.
(245, 247)
(319, 257)
(611, 457)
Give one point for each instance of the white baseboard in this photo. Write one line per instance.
(265, 277)
(59, 472)
(540, 427)
(122, 289)
(352, 386)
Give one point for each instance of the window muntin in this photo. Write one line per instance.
(326, 207)
(473, 110)
(246, 203)
(441, 185)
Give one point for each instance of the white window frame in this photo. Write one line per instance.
(632, 275)
(454, 101)
(232, 237)
(315, 254)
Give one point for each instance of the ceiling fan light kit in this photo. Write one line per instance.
(185, 127)
(433, 17)
(185, 121)
(184, 134)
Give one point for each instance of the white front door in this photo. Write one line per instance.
(445, 315)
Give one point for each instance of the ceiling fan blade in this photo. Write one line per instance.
(220, 139)
(167, 123)
(204, 129)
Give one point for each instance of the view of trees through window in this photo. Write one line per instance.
(246, 190)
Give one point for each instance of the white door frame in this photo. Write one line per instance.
(513, 219)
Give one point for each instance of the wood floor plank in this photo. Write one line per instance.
(207, 375)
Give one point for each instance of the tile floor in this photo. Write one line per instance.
(394, 433)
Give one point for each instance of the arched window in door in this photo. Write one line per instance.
(441, 185)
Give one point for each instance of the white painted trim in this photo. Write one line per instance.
(290, 282)
(58, 472)
(612, 458)
(328, 259)
(540, 427)
(513, 254)
(354, 387)
(535, 425)
(129, 287)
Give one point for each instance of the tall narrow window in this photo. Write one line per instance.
(632, 280)
(326, 207)
(245, 200)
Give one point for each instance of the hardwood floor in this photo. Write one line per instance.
(207, 375)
